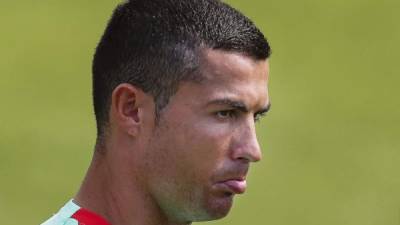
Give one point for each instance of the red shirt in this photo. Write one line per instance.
(86, 217)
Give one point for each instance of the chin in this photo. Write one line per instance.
(218, 207)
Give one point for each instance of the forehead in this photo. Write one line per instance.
(225, 75)
(218, 64)
(235, 75)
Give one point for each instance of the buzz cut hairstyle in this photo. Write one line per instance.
(154, 45)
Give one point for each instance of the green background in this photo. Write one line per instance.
(330, 143)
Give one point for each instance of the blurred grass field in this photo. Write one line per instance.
(331, 141)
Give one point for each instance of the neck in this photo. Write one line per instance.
(116, 193)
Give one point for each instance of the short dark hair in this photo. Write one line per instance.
(156, 44)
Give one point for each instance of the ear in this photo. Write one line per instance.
(126, 106)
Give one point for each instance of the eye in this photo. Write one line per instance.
(226, 114)
(258, 116)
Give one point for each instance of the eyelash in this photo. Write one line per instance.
(258, 116)
(230, 114)
(233, 114)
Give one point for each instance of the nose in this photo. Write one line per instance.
(247, 147)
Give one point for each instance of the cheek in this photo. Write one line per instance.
(205, 143)
(203, 149)
(191, 151)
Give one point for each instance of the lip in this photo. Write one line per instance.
(235, 186)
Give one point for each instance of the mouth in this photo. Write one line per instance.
(232, 186)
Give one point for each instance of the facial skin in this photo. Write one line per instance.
(204, 138)
(189, 166)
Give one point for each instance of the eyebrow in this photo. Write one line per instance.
(239, 105)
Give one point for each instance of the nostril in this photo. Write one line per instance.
(243, 159)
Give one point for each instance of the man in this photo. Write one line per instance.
(177, 88)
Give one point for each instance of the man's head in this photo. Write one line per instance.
(156, 44)
(177, 86)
